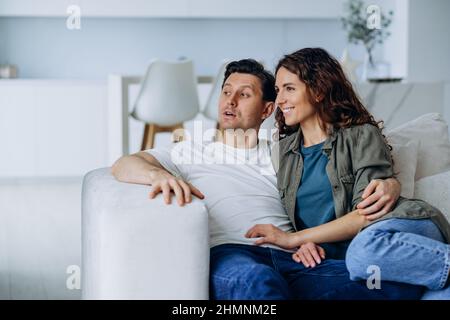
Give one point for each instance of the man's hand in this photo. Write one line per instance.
(166, 183)
(309, 254)
(379, 197)
(271, 234)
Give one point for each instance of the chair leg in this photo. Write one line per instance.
(148, 138)
(150, 131)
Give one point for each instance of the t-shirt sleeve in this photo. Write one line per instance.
(164, 156)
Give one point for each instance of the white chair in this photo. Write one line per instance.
(210, 109)
(167, 98)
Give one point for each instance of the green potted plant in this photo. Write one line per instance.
(358, 31)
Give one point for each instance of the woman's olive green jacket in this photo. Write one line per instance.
(356, 155)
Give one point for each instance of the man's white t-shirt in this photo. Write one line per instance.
(239, 186)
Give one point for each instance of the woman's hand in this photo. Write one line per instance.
(309, 254)
(271, 234)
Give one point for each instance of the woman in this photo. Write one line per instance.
(330, 149)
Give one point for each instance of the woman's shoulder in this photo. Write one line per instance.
(360, 131)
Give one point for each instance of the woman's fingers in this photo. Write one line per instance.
(309, 258)
(315, 254)
(303, 259)
(321, 252)
(259, 230)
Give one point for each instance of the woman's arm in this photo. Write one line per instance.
(341, 229)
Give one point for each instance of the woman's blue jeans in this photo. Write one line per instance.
(246, 272)
(404, 250)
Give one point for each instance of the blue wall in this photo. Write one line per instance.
(45, 48)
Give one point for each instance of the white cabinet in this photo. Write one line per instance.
(52, 127)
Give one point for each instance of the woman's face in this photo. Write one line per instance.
(293, 98)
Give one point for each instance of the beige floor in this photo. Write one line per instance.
(40, 236)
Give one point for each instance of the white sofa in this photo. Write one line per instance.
(137, 248)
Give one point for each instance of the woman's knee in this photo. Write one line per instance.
(362, 253)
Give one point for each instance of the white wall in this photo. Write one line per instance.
(176, 8)
(124, 46)
(429, 44)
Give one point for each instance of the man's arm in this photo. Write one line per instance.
(140, 168)
(143, 168)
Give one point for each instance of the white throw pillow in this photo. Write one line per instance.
(405, 163)
(436, 191)
(431, 131)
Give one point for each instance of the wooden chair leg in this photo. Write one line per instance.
(150, 131)
(148, 140)
(145, 136)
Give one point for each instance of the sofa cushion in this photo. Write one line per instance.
(431, 131)
(405, 163)
(436, 191)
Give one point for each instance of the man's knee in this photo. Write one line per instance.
(256, 281)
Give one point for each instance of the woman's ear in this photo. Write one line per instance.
(319, 98)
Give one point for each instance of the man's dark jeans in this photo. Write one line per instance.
(245, 272)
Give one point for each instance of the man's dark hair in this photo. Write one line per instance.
(253, 67)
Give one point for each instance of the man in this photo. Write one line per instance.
(235, 177)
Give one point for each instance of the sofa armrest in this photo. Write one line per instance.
(138, 248)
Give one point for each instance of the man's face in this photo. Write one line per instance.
(241, 104)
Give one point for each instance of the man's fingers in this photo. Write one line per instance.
(373, 198)
(178, 191)
(296, 258)
(186, 191)
(155, 190)
(380, 213)
(376, 207)
(370, 188)
(196, 192)
(166, 193)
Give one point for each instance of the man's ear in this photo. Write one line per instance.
(268, 109)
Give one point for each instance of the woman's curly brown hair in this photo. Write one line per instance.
(339, 106)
